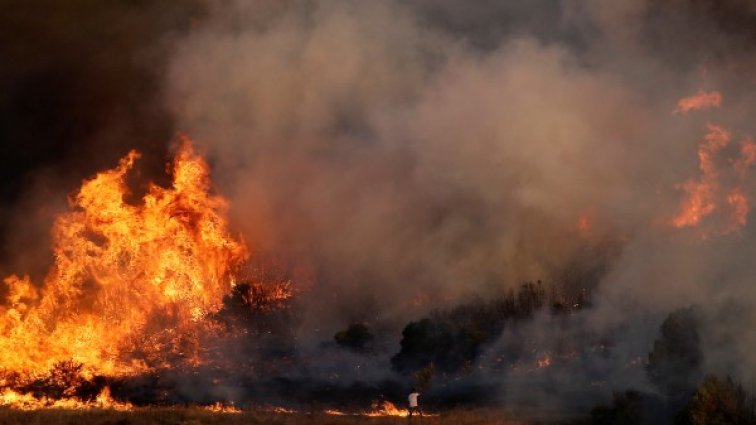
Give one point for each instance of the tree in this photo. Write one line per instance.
(722, 402)
(424, 377)
(674, 364)
(626, 409)
(356, 337)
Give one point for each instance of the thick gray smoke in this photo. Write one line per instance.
(415, 153)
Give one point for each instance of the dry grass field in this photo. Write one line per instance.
(195, 416)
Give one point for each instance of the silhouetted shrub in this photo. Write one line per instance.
(674, 364)
(356, 337)
(626, 409)
(452, 339)
(721, 402)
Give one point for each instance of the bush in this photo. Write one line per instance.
(626, 410)
(674, 364)
(356, 337)
(722, 402)
(453, 339)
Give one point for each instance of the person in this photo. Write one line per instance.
(413, 406)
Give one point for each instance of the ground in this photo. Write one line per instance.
(194, 416)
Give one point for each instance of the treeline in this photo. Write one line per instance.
(685, 396)
(450, 340)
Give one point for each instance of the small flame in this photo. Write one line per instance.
(222, 408)
(543, 362)
(386, 408)
(378, 409)
(700, 100)
(28, 401)
(279, 410)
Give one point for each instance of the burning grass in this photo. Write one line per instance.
(200, 416)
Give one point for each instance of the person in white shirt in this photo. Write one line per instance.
(413, 406)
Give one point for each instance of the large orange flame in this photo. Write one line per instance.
(705, 195)
(700, 199)
(130, 283)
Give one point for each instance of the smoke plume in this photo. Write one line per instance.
(410, 156)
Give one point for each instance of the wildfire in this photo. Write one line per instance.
(378, 409)
(29, 402)
(279, 410)
(747, 157)
(700, 199)
(222, 408)
(130, 283)
(543, 362)
(704, 195)
(700, 100)
(386, 408)
(739, 205)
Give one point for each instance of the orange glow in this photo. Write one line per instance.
(700, 194)
(130, 283)
(700, 100)
(378, 409)
(543, 362)
(29, 402)
(386, 408)
(279, 410)
(740, 206)
(222, 408)
(584, 223)
(747, 157)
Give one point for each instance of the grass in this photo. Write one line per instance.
(196, 416)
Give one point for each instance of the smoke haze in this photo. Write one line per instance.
(413, 155)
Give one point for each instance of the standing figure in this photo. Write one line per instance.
(413, 406)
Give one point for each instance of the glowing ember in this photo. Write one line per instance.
(543, 362)
(130, 282)
(584, 223)
(222, 408)
(279, 409)
(700, 100)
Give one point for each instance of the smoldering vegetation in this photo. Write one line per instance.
(426, 163)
